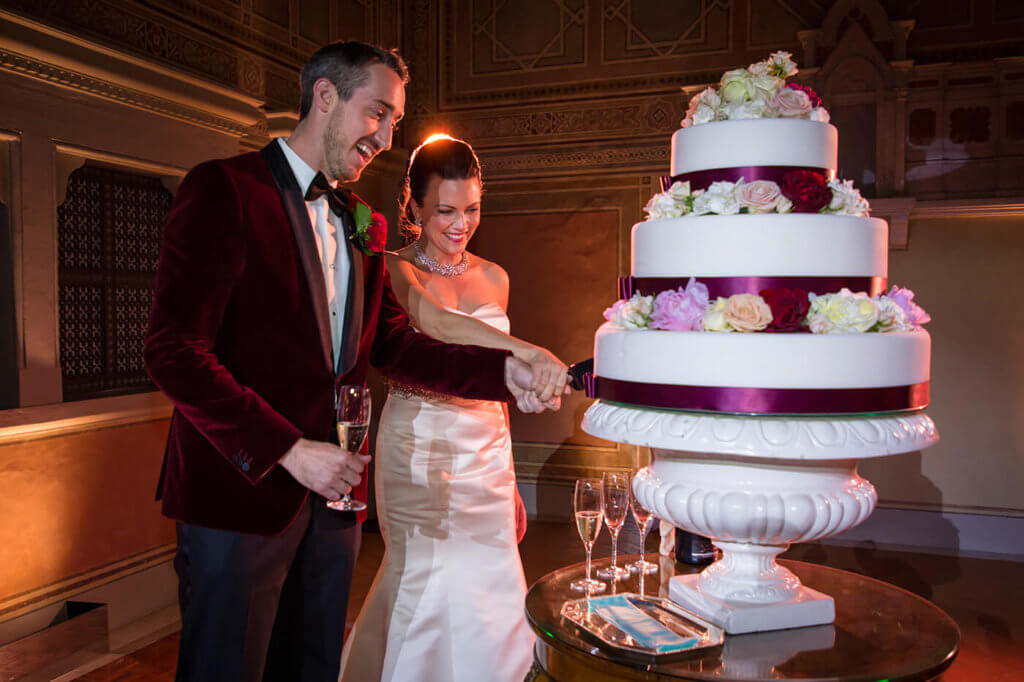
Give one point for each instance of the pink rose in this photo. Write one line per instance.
(747, 312)
(760, 196)
(681, 310)
(791, 103)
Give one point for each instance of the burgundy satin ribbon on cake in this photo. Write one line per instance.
(702, 179)
(727, 286)
(805, 401)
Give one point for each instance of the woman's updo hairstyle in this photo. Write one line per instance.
(440, 155)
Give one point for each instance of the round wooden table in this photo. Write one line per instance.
(881, 632)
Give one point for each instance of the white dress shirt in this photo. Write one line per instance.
(329, 234)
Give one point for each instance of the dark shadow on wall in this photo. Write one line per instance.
(8, 319)
(875, 557)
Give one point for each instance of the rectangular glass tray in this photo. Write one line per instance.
(640, 628)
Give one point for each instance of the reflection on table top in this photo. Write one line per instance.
(881, 632)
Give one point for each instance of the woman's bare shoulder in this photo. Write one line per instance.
(491, 270)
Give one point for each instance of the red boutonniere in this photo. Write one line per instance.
(371, 233)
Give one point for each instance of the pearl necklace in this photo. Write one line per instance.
(440, 268)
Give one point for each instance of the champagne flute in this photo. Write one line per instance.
(616, 504)
(644, 521)
(353, 405)
(587, 503)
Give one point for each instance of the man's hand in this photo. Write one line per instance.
(549, 374)
(518, 379)
(324, 468)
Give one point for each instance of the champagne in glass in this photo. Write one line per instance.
(587, 508)
(644, 521)
(616, 505)
(353, 405)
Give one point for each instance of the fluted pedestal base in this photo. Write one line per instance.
(806, 607)
(755, 485)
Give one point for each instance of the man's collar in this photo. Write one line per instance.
(304, 174)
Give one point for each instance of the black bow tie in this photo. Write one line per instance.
(337, 198)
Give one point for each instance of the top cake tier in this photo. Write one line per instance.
(755, 142)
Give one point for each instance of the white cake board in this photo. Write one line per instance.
(810, 607)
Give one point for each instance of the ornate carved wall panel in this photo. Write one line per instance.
(108, 244)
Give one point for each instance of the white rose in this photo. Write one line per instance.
(703, 114)
(743, 110)
(759, 68)
(764, 86)
(846, 199)
(720, 198)
(632, 314)
(819, 114)
(708, 97)
(891, 317)
(784, 205)
(679, 190)
(791, 103)
(760, 196)
(736, 85)
(714, 317)
(663, 205)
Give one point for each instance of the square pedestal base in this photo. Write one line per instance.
(810, 607)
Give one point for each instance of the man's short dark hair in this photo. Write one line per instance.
(344, 64)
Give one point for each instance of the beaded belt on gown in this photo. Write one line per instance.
(407, 391)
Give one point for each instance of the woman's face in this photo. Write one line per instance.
(450, 213)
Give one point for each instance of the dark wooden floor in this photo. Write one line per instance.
(985, 597)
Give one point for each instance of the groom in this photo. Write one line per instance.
(270, 292)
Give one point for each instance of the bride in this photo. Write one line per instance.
(447, 603)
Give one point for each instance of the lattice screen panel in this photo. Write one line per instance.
(108, 245)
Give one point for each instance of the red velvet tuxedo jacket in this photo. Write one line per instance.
(239, 341)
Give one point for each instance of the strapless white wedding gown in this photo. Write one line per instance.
(447, 604)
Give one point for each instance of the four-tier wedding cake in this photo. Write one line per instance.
(759, 281)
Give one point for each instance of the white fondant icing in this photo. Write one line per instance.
(796, 244)
(763, 360)
(754, 142)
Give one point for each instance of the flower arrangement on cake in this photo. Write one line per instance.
(772, 310)
(758, 91)
(800, 192)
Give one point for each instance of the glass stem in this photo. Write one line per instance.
(588, 563)
(615, 551)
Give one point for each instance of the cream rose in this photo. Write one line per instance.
(747, 312)
(736, 85)
(714, 317)
(791, 103)
(760, 196)
(843, 313)
(679, 190)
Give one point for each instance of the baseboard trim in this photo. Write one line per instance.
(946, 533)
(132, 589)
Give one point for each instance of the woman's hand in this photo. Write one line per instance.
(550, 375)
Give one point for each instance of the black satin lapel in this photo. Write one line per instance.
(298, 217)
(353, 330)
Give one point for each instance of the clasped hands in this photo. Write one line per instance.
(537, 382)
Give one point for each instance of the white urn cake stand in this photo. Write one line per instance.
(754, 485)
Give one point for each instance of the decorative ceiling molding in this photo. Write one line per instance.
(37, 51)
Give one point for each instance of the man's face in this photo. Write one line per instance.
(361, 128)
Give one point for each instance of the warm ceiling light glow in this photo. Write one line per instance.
(435, 137)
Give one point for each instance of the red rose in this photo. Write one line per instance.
(811, 94)
(808, 190)
(789, 308)
(377, 233)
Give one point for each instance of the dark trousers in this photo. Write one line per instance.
(266, 608)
